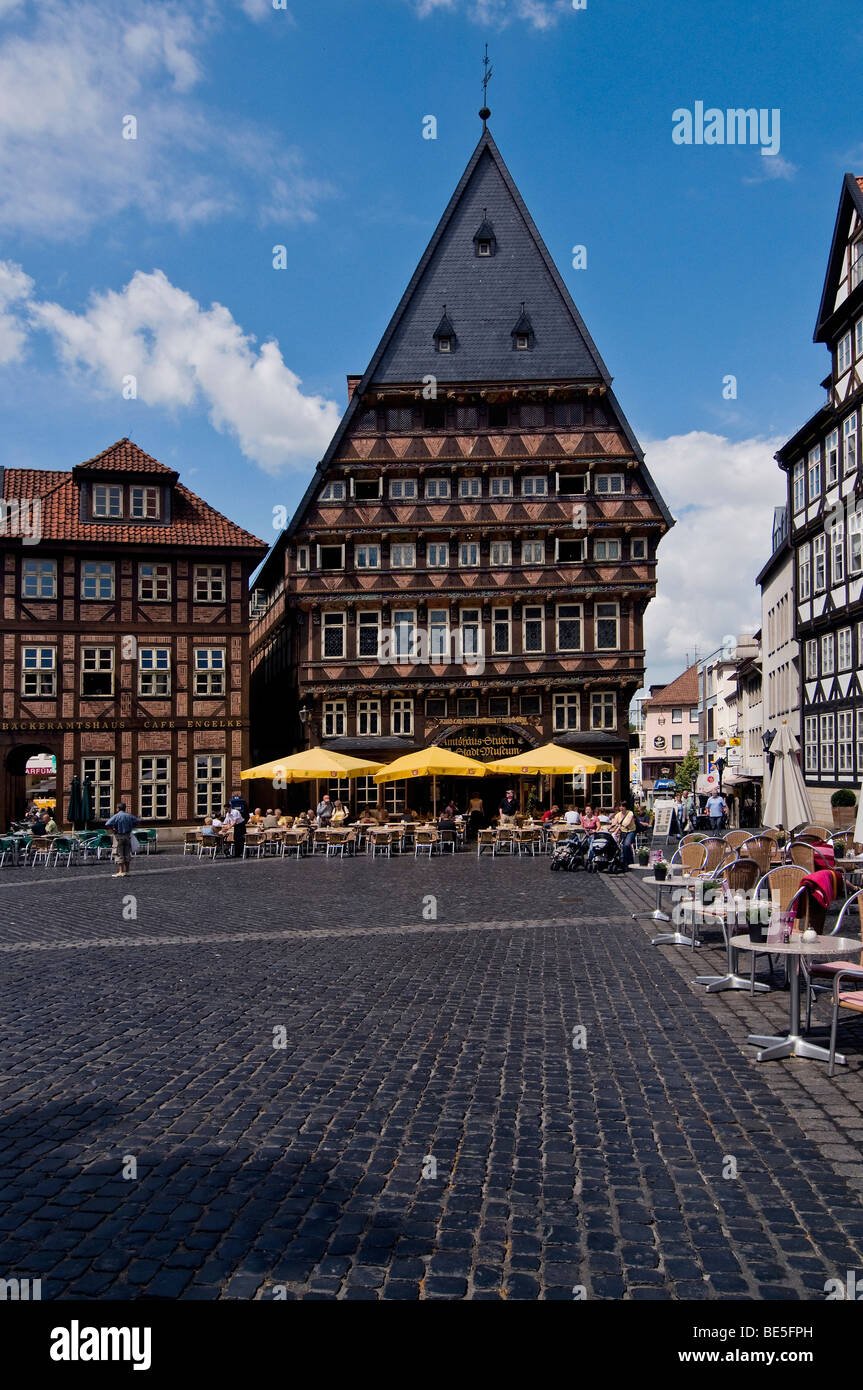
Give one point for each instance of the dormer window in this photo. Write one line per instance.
(144, 503)
(444, 334)
(522, 333)
(107, 500)
(484, 238)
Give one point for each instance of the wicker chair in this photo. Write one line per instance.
(208, 846)
(504, 841)
(802, 854)
(41, 849)
(782, 884)
(691, 857)
(735, 838)
(759, 848)
(191, 841)
(737, 878)
(485, 840)
(254, 845)
(426, 840)
(820, 832)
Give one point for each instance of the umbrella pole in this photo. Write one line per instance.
(434, 795)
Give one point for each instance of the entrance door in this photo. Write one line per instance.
(20, 788)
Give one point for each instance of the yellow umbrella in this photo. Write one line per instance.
(431, 762)
(311, 765)
(550, 760)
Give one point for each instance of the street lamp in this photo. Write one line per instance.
(721, 765)
(766, 741)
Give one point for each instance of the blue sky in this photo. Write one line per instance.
(303, 127)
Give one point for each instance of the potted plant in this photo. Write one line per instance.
(660, 869)
(644, 856)
(844, 804)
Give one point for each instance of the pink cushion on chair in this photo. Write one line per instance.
(852, 999)
(832, 967)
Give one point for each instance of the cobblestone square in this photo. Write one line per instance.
(281, 1079)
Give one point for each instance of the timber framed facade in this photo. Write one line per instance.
(473, 557)
(825, 505)
(125, 638)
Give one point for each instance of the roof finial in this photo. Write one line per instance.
(484, 111)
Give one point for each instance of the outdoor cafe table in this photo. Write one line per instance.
(793, 1045)
(668, 938)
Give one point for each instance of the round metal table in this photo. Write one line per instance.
(792, 1044)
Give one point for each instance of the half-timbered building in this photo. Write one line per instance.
(472, 559)
(822, 463)
(125, 637)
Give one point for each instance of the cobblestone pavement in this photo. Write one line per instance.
(432, 1126)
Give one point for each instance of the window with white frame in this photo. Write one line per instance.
(97, 671)
(567, 712)
(811, 660)
(828, 654)
(401, 716)
(107, 500)
(439, 635)
(437, 489)
(500, 487)
(367, 489)
(849, 439)
(859, 743)
(534, 485)
(571, 484)
(831, 451)
(209, 784)
(144, 503)
(39, 672)
(677, 716)
(828, 749)
(602, 790)
(334, 718)
(607, 627)
(638, 548)
(437, 555)
(333, 640)
(603, 709)
(38, 578)
(470, 486)
(856, 262)
(154, 583)
(403, 489)
(333, 492)
(804, 572)
(568, 550)
(302, 557)
(403, 555)
(501, 631)
(810, 742)
(154, 671)
(99, 772)
(471, 633)
(368, 718)
(209, 583)
(210, 670)
(501, 553)
(799, 486)
(814, 472)
(855, 542)
(368, 632)
(404, 621)
(606, 550)
(819, 563)
(154, 788)
(569, 627)
(533, 552)
(677, 742)
(468, 554)
(858, 339)
(837, 546)
(97, 579)
(367, 556)
(843, 649)
(533, 629)
(843, 354)
(608, 483)
(845, 740)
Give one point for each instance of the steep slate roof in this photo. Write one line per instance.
(850, 199)
(484, 297)
(683, 691)
(193, 521)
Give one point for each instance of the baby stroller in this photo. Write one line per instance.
(604, 854)
(570, 854)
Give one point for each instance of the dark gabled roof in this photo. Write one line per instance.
(850, 200)
(524, 324)
(444, 328)
(485, 231)
(823, 415)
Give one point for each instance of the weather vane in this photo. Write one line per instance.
(484, 111)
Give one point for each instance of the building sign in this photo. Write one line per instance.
(659, 741)
(485, 743)
(71, 726)
(41, 765)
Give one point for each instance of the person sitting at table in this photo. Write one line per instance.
(207, 828)
(257, 816)
(551, 814)
(589, 820)
(381, 814)
(303, 820)
(368, 817)
(270, 820)
(49, 826)
(285, 821)
(572, 817)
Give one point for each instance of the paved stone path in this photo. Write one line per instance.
(518, 1099)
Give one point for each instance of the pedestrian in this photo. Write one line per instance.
(238, 815)
(716, 809)
(122, 823)
(325, 810)
(625, 830)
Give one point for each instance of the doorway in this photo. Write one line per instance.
(31, 774)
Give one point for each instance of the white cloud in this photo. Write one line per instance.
(770, 167)
(15, 290)
(540, 14)
(67, 80)
(722, 493)
(184, 356)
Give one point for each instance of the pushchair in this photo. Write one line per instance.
(570, 854)
(604, 854)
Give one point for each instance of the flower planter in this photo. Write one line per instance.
(844, 817)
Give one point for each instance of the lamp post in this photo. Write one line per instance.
(721, 765)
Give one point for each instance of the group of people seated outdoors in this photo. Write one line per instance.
(40, 822)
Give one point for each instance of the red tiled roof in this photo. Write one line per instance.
(683, 690)
(124, 457)
(193, 521)
(860, 184)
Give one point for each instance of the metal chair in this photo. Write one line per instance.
(7, 849)
(254, 844)
(504, 841)
(802, 854)
(207, 845)
(485, 840)
(818, 975)
(782, 883)
(735, 838)
(737, 880)
(64, 847)
(426, 839)
(759, 848)
(191, 842)
(41, 848)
